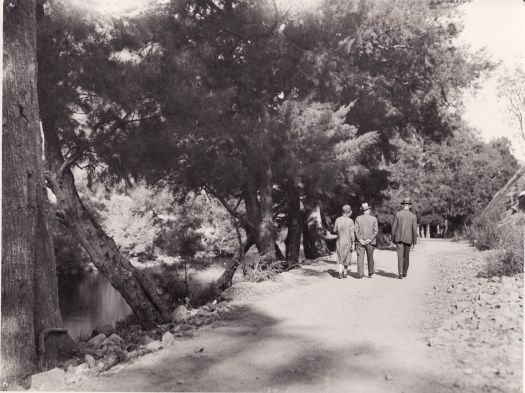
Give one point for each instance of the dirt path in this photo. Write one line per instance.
(316, 333)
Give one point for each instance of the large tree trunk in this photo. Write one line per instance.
(314, 245)
(135, 288)
(293, 237)
(19, 190)
(30, 308)
(53, 343)
(265, 230)
(260, 214)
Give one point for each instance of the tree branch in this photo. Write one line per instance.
(72, 159)
(227, 206)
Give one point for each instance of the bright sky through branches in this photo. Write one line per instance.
(499, 26)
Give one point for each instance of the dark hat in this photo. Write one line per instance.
(406, 201)
(365, 206)
(347, 209)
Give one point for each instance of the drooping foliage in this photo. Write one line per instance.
(254, 103)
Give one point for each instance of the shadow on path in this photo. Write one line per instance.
(386, 274)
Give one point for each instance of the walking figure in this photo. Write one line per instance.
(404, 235)
(366, 230)
(344, 227)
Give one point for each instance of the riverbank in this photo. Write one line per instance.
(309, 331)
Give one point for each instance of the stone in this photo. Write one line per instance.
(167, 339)
(70, 364)
(82, 368)
(198, 321)
(114, 339)
(146, 340)
(54, 379)
(110, 361)
(204, 313)
(104, 328)
(154, 345)
(176, 329)
(122, 355)
(468, 371)
(90, 361)
(180, 314)
(98, 340)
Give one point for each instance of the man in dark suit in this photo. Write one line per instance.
(366, 229)
(404, 235)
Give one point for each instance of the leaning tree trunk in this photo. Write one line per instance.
(225, 280)
(314, 245)
(19, 190)
(293, 237)
(498, 201)
(138, 291)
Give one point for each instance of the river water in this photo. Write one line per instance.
(88, 300)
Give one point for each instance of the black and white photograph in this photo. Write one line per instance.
(263, 196)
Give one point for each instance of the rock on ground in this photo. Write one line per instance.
(98, 340)
(180, 314)
(478, 324)
(167, 339)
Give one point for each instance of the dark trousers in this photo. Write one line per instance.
(361, 250)
(403, 256)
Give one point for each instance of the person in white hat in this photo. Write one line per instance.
(366, 229)
(344, 227)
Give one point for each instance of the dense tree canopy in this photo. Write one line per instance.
(206, 92)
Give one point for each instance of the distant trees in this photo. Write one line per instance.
(451, 181)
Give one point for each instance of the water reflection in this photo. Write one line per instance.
(88, 300)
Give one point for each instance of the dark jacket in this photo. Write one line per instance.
(366, 228)
(404, 228)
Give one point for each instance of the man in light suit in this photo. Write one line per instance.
(404, 235)
(366, 229)
(344, 227)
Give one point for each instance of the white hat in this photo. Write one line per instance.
(365, 206)
(521, 194)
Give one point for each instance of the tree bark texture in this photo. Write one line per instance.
(498, 200)
(225, 280)
(138, 291)
(260, 214)
(314, 245)
(20, 188)
(53, 342)
(293, 237)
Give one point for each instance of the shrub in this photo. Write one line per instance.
(506, 238)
